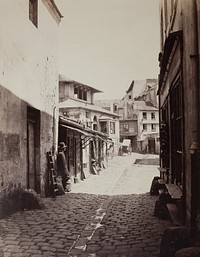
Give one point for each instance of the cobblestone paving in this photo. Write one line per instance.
(128, 229)
(89, 225)
(49, 232)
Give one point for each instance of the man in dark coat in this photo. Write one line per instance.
(62, 164)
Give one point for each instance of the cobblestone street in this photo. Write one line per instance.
(110, 214)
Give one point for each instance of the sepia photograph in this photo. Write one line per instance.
(99, 128)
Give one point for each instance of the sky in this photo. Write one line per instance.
(106, 44)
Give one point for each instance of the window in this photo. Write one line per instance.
(94, 126)
(144, 127)
(125, 128)
(33, 12)
(95, 122)
(115, 107)
(85, 95)
(80, 93)
(103, 126)
(153, 116)
(76, 92)
(129, 97)
(76, 115)
(112, 127)
(87, 115)
(144, 115)
(153, 127)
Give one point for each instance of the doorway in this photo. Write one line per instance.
(151, 145)
(33, 140)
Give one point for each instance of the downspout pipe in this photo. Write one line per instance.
(55, 130)
(194, 56)
(195, 147)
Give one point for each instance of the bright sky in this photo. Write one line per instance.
(108, 43)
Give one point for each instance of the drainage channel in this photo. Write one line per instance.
(80, 244)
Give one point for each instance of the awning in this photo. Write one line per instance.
(87, 132)
(78, 130)
(103, 139)
(85, 140)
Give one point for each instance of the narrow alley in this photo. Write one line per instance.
(112, 217)
(100, 138)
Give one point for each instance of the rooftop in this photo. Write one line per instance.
(76, 104)
(145, 106)
(62, 78)
(137, 87)
(141, 87)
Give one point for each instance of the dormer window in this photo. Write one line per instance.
(80, 93)
(76, 92)
(33, 12)
(85, 95)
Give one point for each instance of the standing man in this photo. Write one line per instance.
(62, 164)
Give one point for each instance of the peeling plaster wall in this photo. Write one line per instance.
(13, 140)
(28, 76)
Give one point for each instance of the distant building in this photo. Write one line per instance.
(140, 97)
(149, 94)
(148, 127)
(109, 104)
(28, 91)
(129, 130)
(94, 130)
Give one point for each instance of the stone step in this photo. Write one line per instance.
(174, 190)
(174, 213)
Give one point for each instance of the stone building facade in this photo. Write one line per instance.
(28, 91)
(179, 80)
(148, 127)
